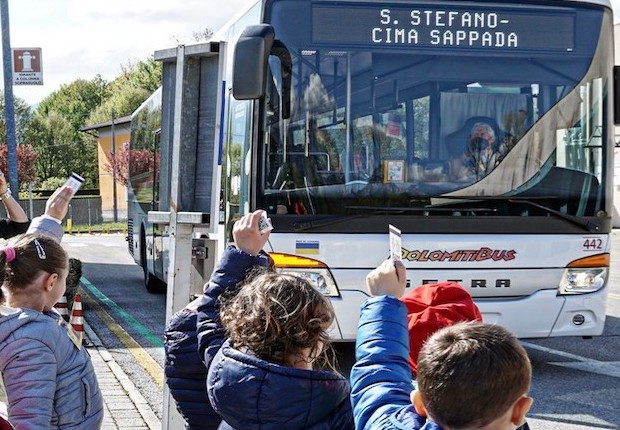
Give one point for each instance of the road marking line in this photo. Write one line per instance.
(142, 357)
(601, 368)
(585, 364)
(154, 340)
(614, 296)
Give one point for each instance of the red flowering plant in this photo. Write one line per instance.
(125, 161)
(26, 157)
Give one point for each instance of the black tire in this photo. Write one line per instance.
(152, 284)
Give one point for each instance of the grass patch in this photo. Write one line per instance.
(106, 227)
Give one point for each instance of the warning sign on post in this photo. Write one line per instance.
(27, 66)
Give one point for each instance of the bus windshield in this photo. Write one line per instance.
(435, 106)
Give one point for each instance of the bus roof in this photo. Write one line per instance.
(219, 34)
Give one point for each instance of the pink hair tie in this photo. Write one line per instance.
(9, 252)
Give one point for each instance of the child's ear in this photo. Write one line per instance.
(416, 400)
(49, 281)
(520, 408)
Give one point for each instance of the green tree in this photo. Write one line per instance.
(55, 130)
(128, 91)
(59, 154)
(22, 118)
(75, 101)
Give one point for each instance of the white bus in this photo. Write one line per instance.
(483, 130)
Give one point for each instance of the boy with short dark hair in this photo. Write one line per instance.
(470, 375)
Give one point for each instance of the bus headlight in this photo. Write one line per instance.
(579, 281)
(585, 275)
(314, 271)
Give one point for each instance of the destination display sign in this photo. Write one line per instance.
(449, 26)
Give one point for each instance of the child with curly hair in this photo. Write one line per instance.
(266, 346)
(49, 379)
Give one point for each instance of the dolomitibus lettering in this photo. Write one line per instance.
(471, 255)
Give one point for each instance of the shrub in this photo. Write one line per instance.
(73, 278)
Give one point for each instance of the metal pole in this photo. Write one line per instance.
(30, 203)
(180, 235)
(114, 170)
(9, 108)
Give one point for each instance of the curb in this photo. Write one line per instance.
(79, 232)
(149, 417)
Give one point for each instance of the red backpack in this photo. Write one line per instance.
(4, 424)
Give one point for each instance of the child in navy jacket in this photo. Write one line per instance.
(265, 344)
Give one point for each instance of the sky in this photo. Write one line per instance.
(83, 38)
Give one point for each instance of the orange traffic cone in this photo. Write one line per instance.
(62, 308)
(77, 317)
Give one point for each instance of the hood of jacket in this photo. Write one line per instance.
(12, 320)
(250, 393)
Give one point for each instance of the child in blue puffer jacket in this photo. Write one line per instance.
(49, 378)
(265, 344)
(459, 369)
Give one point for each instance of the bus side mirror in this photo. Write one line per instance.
(250, 62)
(617, 95)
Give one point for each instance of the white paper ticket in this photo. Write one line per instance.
(395, 243)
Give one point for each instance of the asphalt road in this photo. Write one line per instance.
(118, 307)
(575, 384)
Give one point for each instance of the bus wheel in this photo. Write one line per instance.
(152, 284)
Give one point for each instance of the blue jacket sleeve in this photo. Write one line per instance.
(232, 268)
(381, 377)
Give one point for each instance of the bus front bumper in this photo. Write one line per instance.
(542, 314)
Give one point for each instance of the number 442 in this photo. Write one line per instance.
(592, 244)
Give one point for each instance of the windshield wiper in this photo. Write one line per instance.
(373, 210)
(322, 222)
(423, 209)
(575, 220)
(336, 219)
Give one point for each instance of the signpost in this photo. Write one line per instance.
(27, 66)
(9, 109)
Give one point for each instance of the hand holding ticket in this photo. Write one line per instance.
(395, 243)
(74, 182)
(264, 223)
